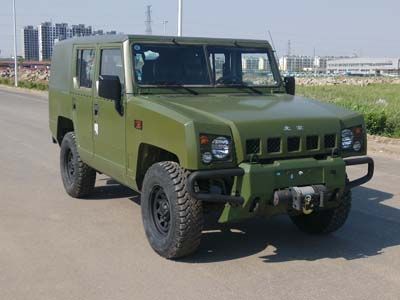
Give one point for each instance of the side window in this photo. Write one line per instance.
(85, 67)
(218, 65)
(111, 63)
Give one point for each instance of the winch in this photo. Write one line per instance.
(304, 199)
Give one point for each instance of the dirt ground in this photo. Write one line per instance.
(383, 146)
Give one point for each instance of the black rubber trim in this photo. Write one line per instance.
(210, 174)
(360, 161)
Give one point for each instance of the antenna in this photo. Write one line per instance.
(148, 21)
(273, 46)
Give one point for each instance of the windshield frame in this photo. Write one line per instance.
(264, 48)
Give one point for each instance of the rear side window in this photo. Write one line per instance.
(85, 67)
(111, 63)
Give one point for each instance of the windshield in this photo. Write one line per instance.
(241, 66)
(196, 65)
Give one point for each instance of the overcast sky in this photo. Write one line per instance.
(340, 27)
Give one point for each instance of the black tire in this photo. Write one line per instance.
(78, 178)
(172, 220)
(326, 221)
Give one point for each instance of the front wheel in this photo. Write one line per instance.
(326, 221)
(172, 219)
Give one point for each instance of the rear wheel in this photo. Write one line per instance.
(78, 178)
(172, 220)
(326, 221)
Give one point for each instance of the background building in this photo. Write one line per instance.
(80, 30)
(46, 37)
(30, 43)
(38, 42)
(364, 66)
(295, 64)
(298, 64)
(255, 64)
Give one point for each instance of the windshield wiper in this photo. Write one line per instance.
(173, 84)
(243, 86)
(252, 89)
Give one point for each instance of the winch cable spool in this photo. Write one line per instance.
(302, 199)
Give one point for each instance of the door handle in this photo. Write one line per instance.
(96, 109)
(73, 103)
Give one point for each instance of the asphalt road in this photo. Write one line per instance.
(56, 247)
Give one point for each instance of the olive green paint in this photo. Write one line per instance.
(173, 118)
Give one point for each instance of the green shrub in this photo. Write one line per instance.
(376, 122)
(42, 86)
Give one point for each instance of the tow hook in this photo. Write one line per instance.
(304, 199)
(308, 205)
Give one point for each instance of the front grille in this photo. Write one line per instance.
(253, 146)
(293, 144)
(330, 141)
(274, 145)
(312, 142)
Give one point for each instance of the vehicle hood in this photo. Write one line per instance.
(263, 116)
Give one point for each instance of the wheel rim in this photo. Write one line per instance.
(69, 166)
(160, 210)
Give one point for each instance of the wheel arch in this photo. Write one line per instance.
(64, 125)
(147, 156)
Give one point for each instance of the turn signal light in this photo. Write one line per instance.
(139, 124)
(357, 131)
(204, 140)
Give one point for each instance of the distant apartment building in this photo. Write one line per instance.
(101, 32)
(30, 43)
(80, 30)
(364, 66)
(295, 63)
(38, 42)
(256, 64)
(46, 40)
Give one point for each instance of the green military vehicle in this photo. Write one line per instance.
(200, 125)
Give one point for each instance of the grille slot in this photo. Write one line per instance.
(253, 146)
(274, 145)
(293, 144)
(312, 142)
(330, 141)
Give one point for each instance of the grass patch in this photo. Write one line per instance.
(380, 103)
(41, 86)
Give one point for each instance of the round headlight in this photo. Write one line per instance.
(207, 158)
(347, 139)
(357, 146)
(220, 147)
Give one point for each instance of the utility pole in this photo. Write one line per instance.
(315, 63)
(15, 46)
(148, 21)
(165, 22)
(289, 59)
(180, 8)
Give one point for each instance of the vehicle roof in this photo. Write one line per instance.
(119, 38)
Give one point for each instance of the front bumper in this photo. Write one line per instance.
(360, 161)
(255, 184)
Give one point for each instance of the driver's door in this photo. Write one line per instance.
(109, 124)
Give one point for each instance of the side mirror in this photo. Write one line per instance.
(290, 85)
(110, 88)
